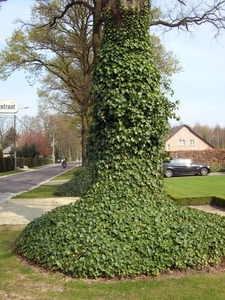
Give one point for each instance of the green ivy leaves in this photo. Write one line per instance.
(108, 237)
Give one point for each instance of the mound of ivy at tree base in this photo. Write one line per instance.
(102, 238)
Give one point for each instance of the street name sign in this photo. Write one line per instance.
(9, 106)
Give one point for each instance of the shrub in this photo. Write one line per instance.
(78, 186)
(218, 201)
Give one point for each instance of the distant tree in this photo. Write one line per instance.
(62, 128)
(9, 137)
(6, 132)
(203, 130)
(64, 54)
(28, 151)
(33, 143)
(215, 135)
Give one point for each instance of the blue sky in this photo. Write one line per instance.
(16, 87)
(200, 88)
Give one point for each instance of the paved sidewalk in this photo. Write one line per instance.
(23, 211)
(210, 209)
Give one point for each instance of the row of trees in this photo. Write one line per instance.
(62, 57)
(214, 135)
(36, 135)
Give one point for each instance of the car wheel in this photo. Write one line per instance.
(169, 173)
(204, 172)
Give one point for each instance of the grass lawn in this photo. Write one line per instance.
(42, 191)
(19, 280)
(195, 186)
(65, 176)
(45, 191)
(10, 173)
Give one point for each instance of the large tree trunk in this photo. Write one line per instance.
(84, 136)
(130, 115)
(97, 28)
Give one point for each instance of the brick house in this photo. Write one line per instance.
(184, 138)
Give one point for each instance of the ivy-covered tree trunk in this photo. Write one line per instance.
(124, 226)
(130, 114)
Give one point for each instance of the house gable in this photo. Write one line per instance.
(184, 138)
(6, 152)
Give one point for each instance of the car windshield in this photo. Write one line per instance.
(181, 161)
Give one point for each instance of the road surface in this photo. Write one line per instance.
(21, 182)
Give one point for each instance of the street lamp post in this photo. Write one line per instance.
(15, 162)
(53, 148)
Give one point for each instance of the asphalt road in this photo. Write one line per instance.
(21, 182)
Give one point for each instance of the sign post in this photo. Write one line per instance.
(9, 106)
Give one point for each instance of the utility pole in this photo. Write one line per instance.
(15, 160)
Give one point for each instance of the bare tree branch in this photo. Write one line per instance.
(67, 7)
(195, 13)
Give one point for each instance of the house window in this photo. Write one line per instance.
(168, 147)
(192, 142)
(181, 142)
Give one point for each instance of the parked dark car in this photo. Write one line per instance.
(184, 166)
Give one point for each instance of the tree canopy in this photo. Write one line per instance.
(62, 58)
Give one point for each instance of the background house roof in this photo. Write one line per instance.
(8, 149)
(174, 130)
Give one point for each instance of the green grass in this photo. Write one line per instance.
(66, 176)
(45, 191)
(196, 186)
(10, 173)
(19, 280)
(42, 191)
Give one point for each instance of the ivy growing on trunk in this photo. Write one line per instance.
(130, 114)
